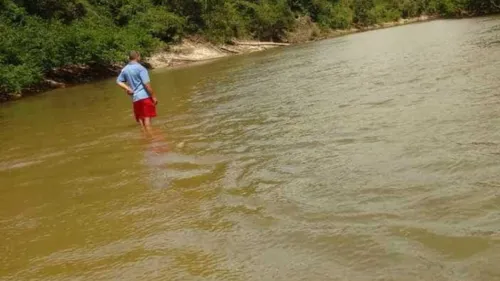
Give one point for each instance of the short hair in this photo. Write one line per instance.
(133, 55)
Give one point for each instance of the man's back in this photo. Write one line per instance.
(134, 79)
(136, 76)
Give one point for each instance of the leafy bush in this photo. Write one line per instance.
(382, 12)
(270, 19)
(160, 23)
(364, 13)
(67, 10)
(447, 8)
(225, 21)
(32, 47)
(342, 16)
(18, 77)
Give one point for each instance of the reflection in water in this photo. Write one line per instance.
(367, 157)
(158, 155)
(157, 151)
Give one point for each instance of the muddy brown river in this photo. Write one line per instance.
(374, 156)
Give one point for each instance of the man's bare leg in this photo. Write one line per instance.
(147, 125)
(141, 123)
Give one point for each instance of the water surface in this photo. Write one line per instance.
(374, 156)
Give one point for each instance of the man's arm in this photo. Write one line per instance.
(121, 82)
(147, 84)
(126, 88)
(151, 92)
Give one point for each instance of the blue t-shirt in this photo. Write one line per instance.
(136, 76)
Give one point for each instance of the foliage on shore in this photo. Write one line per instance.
(39, 37)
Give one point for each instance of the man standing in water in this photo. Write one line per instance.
(134, 79)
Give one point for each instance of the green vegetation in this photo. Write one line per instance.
(43, 35)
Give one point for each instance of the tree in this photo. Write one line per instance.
(66, 11)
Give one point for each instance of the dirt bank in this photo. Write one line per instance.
(192, 51)
(306, 31)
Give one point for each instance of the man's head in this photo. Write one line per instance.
(134, 56)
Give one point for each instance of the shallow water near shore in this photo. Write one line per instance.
(374, 156)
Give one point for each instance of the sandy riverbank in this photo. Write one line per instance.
(191, 51)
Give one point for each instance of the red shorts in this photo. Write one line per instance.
(144, 108)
